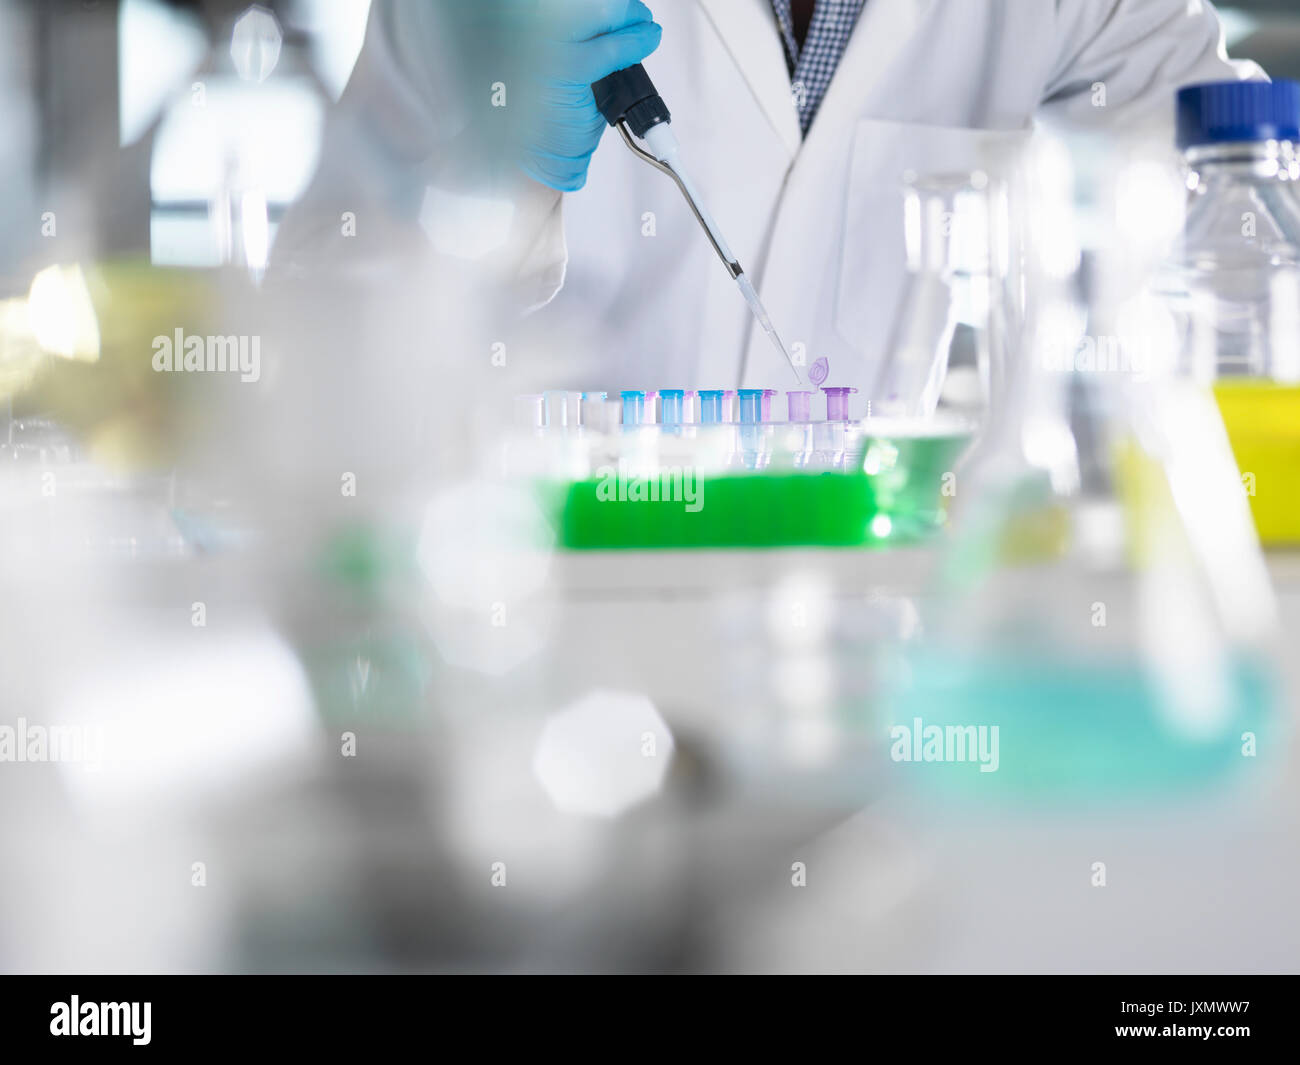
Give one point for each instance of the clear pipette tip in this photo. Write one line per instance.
(760, 312)
(783, 350)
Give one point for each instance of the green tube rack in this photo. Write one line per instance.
(892, 494)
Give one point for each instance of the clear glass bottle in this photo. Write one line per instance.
(1233, 282)
(1235, 276)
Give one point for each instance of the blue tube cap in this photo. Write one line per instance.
(633, 407)
(670, 400)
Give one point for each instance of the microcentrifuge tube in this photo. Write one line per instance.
(563, 409)
(837, 403)
(670, 406)
(590, 401)
(800, 406)
(601, 415)
(633, 407)
(751, 406)
(711, 406)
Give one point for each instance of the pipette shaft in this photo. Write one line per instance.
(630, 103)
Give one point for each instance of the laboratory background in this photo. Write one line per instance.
(366, 606)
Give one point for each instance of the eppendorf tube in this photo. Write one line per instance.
(837, 403)
(751, 406)
(829, 436)
(670, 406)
(730, 413)
(589, 401)
(798, 434)
(799, 406)
(768, 393)
(751, 428)
(711, 412)
(599, 414)
(633, 408)
(563, 409)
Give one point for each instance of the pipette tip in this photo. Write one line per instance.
(780, 346)
(760, 312)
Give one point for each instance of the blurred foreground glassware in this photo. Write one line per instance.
(1233, 281)
(236, 147)
(956, 251)
(1107, 619)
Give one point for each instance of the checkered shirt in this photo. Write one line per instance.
(813, 65)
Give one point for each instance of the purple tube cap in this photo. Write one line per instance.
(837, 403)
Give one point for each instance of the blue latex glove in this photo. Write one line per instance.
(507, 83)
(583, 41)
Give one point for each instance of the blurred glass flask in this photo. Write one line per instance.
(1106, 603)
(236, 147)
(955, 252)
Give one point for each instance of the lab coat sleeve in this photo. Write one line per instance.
(390, 179)
(1124, 60)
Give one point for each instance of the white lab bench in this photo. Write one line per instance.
(1204, 883)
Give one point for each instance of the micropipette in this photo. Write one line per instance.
(632, 105)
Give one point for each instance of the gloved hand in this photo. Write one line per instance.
(583, 41)
(523, 71)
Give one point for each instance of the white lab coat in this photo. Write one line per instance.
(630, 294)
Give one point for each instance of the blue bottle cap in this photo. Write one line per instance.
(1235, 111)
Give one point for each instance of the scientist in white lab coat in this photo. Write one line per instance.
(798, 119)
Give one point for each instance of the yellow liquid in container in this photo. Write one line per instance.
(1263, 423)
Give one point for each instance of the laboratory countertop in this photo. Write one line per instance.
(1204, 882)
(595, 575)
(686, 574)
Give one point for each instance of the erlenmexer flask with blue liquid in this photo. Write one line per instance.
(1105, 603)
